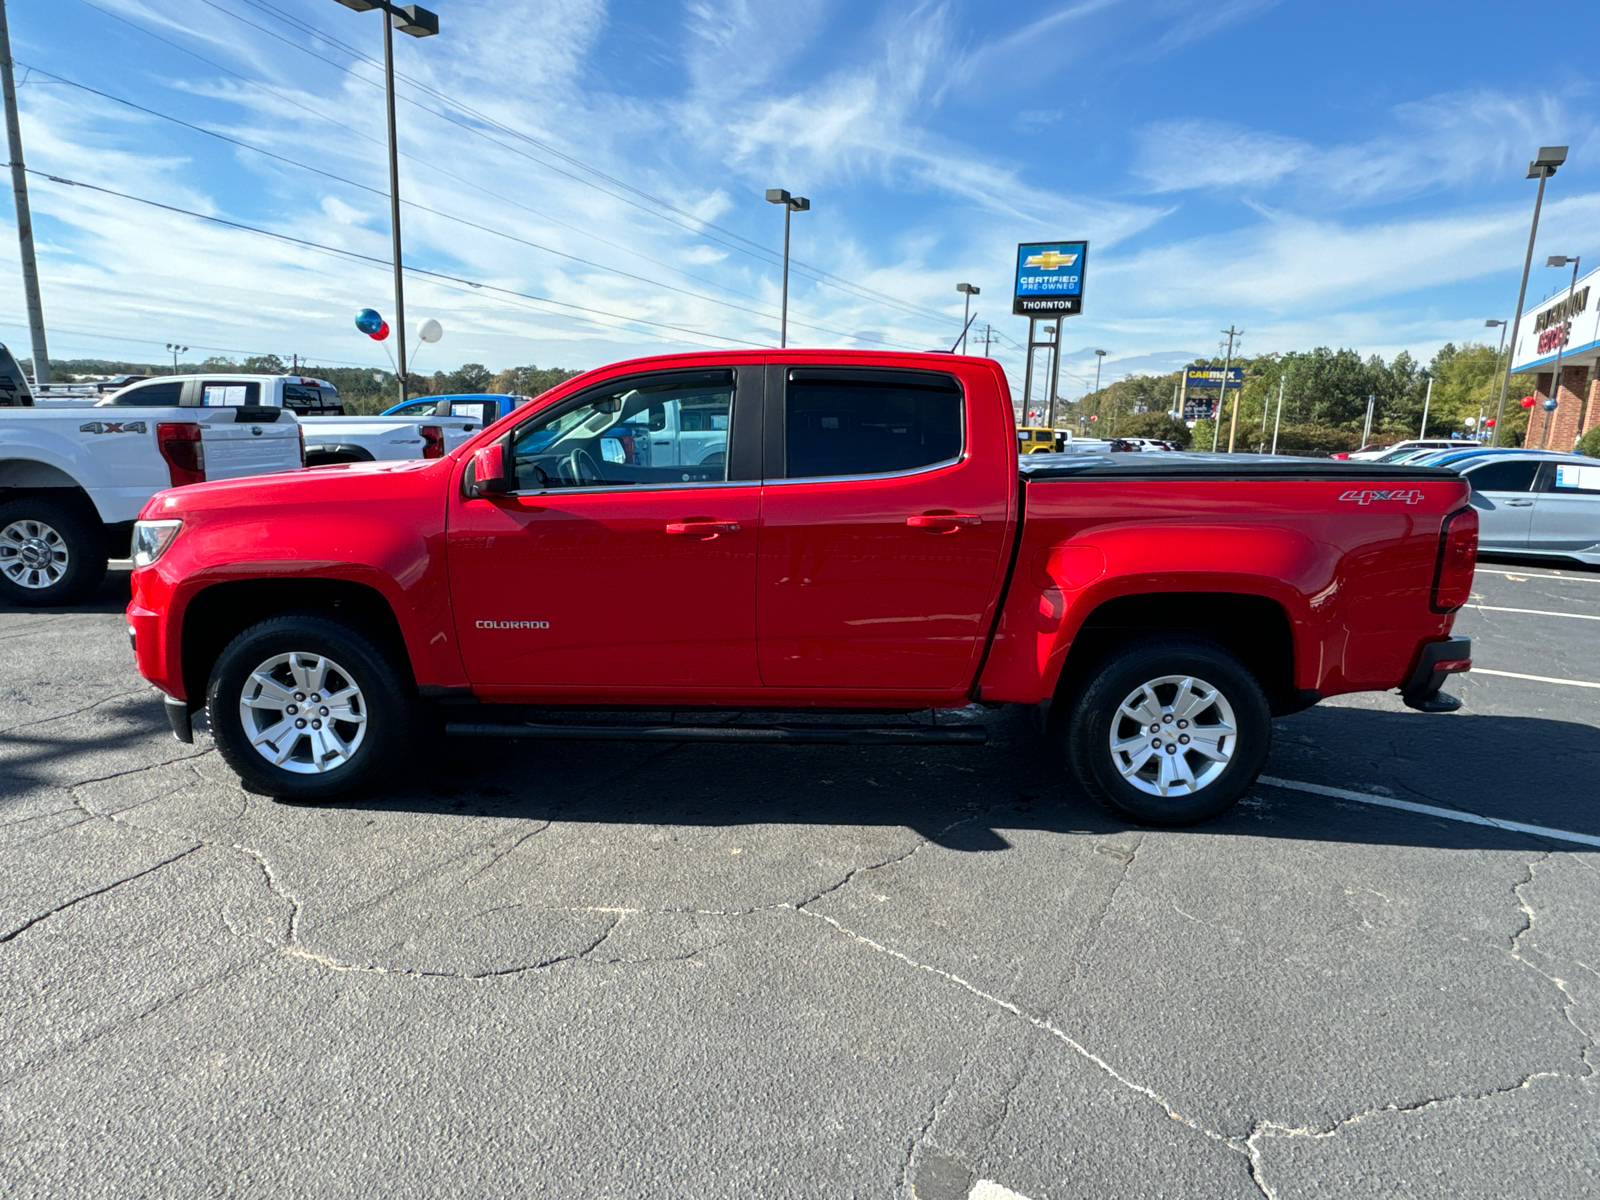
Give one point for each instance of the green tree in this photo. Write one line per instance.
(1159, 425)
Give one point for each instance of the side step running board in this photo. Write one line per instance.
(807, 734)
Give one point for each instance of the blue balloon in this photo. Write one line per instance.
(369, 321)
(1550, 404)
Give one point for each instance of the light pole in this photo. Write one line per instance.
(1541, 168)
(1222, 395)
(419, 23)
(176, 350)
(791, 205)
(1099, 357)
(967, 290)
(1477, 429)
(1559, 260)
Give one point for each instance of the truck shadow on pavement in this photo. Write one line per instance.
(965, 799)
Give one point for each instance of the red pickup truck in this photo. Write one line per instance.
(757, 532)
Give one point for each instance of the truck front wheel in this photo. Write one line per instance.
(304, 707)
(49, 554)
(1169, 731)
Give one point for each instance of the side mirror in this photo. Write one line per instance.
(489, 475)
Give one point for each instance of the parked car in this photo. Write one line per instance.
(330, 437)
(1036, 439)
(1536, 502)
(864, 541)
(485, 409)
(1409, 451)
(72, 480)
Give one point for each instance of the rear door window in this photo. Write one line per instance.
(309, 400)
(228, 394)
(839, 422)
(1511, 476)
(1573, 479)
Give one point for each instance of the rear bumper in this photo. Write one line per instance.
(1439, 661)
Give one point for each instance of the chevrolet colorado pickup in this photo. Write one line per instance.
(867, 544)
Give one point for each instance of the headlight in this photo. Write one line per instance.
(151, 539)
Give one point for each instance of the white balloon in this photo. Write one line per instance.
(430, 330)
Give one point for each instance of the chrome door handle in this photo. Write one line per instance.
(942, 522)
(1518, 503)
(701, 529)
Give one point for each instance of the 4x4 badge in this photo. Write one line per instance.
(113, 427)
(1368, 495)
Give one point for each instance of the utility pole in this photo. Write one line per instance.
(1426, 401)
(1278, 423)
(1222, 396)
(19, 190)
(1366, 432)
(988, 336)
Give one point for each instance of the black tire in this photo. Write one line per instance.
(384, 700)
(59, 539)
(1095, 713)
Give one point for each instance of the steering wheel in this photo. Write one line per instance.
(582, 468)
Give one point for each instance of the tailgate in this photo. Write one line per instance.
(248, 441)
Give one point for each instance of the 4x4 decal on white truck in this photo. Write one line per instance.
(1368, 495)
(113, 427)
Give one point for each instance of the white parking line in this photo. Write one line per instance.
(988, 1189)
(1520, 576)
(1535, 678)
(1533, 612)
(1429, 810)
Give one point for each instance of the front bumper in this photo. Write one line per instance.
(1438, 662)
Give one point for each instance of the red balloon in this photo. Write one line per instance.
(1527, 402)
(1093, 417)
(380, 333)
(1490, 421)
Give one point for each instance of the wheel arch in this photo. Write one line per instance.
(1253, 627)
(218, 613)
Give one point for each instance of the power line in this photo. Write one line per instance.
(386, 265)
(700, 225)
(501, 233)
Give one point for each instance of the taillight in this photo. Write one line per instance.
(301, 430)
(1458, 558)
(432, 441)
(180, 446)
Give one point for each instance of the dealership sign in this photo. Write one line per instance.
(1211, 377)
(1049, 279)
(1567, 323)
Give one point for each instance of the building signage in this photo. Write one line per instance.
(1211, 377)
(1568, 323)
(1049, 279)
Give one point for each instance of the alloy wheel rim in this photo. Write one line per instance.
(1173, 735)
(303, 712)
(33, 555)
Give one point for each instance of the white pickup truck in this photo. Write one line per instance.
(330, 436)
(72, 480)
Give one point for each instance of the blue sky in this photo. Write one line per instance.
(1342, 174)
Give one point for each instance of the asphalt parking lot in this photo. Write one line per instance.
(596, 970)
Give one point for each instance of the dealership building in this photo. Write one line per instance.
(1569, 321)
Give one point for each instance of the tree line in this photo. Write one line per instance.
(1325, 395)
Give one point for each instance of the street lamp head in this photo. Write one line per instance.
(360, 5)
(1559, 260)
(800, 204)
(778, 196)
(1493, 324)
(1101, 353)
(966, 289)
(414, 19)
(1551, 156)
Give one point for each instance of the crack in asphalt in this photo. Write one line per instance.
(75, 712)
(101, 891)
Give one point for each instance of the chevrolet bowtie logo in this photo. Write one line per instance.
(1050, 260)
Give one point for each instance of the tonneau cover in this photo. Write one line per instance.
(1036, 468)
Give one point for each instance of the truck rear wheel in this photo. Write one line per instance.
(1169, 731)
(304, 707)
(49, 553)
